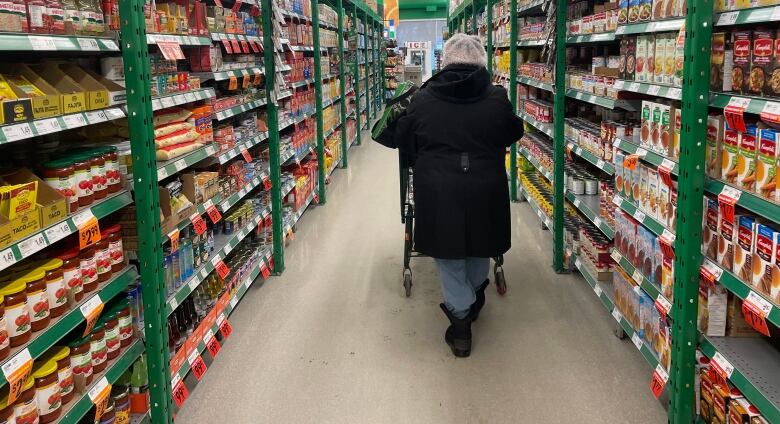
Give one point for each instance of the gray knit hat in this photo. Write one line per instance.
(464, 50)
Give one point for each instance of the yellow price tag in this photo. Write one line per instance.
(174, 237)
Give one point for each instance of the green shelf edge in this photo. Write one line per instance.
(649, 222)
(590, 98)
(252, 142)
(590, 157)
(649, 288)
(43, 341)
(747, 16)
(102, 209)
(184, 40)
(667, 91)
(590, 214)
(544, 127)
(115, 370)
(535, 83)
(543, 217)
(51, 42)
(178, 99)
(90, 117)
(651, 157)
(542, 170)
(756, 106)
(747, 200)
(239, 109)
(591, 38)
(665, 25)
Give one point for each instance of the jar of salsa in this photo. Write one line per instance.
(111, 328)
(97, 348)
(47, 391)
(98, 167)
(121, 396)
(113, 176)
(83, 179)
(60, 174)
(81, 363)
(55, 286)
(5, 343)
(37, 298)
(125, 321)
(71, 273)
(61, 355)
(25, 406)
(88, 266)
(103, 260)
(115, 248)
(6, 410)
(109, 415)
(17, 318)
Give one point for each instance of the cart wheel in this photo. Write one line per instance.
(408, 282)
(500, 280)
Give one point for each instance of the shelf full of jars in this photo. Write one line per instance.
(666, 230)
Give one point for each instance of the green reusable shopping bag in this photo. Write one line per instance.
(383, 131)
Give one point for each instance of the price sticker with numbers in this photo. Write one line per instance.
(91, 310)
(710, 272)
(734, 113)
(197, 365)
(47, 126)
(637, 276)
(41, 43)
(88, 44)
(721, 366)
(96, 117)
(663, 305)
(222, 269)
(639, 216)
(224, 326)
(755, 309)
(198, 223)
(179, 390)
(31, 245)
(617, 201)
(17, 132)
(17, 371)
(58, 232)
(88, 228)
(616, 256)
(98, 394)
(174, 238)
(212, 344)
(74, 121)
(658, 381)
(245, 154)
(654, 90)
(729, 18)
(638, 342)
(771, 112)
(634, 86)
(617, 315)
(7, 258)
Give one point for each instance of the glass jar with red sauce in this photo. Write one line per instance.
(103, 260)
(81, 362)
(55, 286)
(98, 166)
(47, 390)
(37, 299)
(83, 179)
(88, 265)
(17, 317)
(61, 175)
(115, 248)
(25, 406)
(97, 348)
(113, 176)
(5, 342)
(71, 273)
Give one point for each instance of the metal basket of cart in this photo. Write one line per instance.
(384, 132)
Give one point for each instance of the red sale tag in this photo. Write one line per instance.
(244, 46)
(98, 394)
(735, 113)
(235, 46)
(198, 223)
(658, 381)
(226, 45)
(211, 343)
(174, 237)
(771, 113)
(180, 393)
(630, 161)
(245, 154)
(224, 326)
(266, 183)
(755, 309)
(213, 213)
(264, 271)
(222, 269)
(197, 365)
(727, 198)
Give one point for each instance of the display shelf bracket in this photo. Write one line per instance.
(513, 95)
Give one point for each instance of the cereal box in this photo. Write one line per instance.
(727, 239)
(728, 154)
(660, 55)
(761, 62)
(630, 58)
(766, 164)
(714, 139)
(642, 45)
(652, 193)
(742, 41)
(746, 161)
(743, 251)
(763, 261)
(709, 234)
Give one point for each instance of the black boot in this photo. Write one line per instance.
(458, 335)
(480, 302)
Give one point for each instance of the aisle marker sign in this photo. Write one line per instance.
(658, 381)
(91, 310)
(17, 371)
(180, 393)
(98, 394)
(755, 309)
(197, 365)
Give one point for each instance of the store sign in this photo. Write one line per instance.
(418, 45)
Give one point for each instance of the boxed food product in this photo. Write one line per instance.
(667, 275)
(650, 59)
(743, 251)
(705, 401)
(646, 123)
(746, 161)
(766, 164)
(763, 53)
(722, 396)
(664, 212)
(710, 229)
(767, 240)
(653, 187)
(642, 45)
(659, 56)
(16, 107)
(622, 15)
(619, 178)
(643, 198)
(722, 61)
(48, 208)
(729, 154)
(72, 96)
(727, 239)
(96, 94)
(741, 411)
(674, 150)
(742, 41)
(679, 57)
(44, 98)
(669, 59)
(635, 176)
(713, 147)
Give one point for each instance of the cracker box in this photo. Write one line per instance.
(746, 161)
(742, 41)
(764, 260)
(652, 193)
(642, 45)
(659, 58)
(714, 139)
(727, 233)
(709, 234)
(762, 56)
(743, 251)
(729, 153)
(766, 164)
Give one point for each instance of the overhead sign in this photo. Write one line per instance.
(418, 44)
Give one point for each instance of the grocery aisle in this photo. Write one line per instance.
(334, 339)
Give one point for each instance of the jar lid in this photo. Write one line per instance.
(112, 229)
(29, 384)
(14, 287)
(49, 264)
(68, 254)
(106, 149)
(58, 353)
(32, 275)
(43, 369)
(59, 163)
(81, 156)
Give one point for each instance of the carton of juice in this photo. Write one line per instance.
(766, 165)
(642, 45)
(763, 261)
(660, 57)
(646, 122)
(669, 53)
(714, 139)
(728, 155)
(652, 193)
(743, 251)
(746, 161)
(643, 200)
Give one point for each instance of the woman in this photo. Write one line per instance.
(457, 128)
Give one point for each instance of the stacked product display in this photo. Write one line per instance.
(611, 166)
(147, 183)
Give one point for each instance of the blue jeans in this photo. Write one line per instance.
(459, 279)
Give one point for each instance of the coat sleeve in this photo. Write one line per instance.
(512, 129)
(405, 129)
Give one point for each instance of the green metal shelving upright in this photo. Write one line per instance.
(321, 171)
(342, 85)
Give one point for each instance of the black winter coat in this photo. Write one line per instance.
(457, 129)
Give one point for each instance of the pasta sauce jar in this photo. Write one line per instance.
(5, 342)
(61, 355)
(37, 298)
(26, 406)
(88, 265)
(61, 175)
(81, 363)
(55, 286)
(83, 179)
(47, 391)
(115, 248)
(71, 273)
(103, 260)
(97, 347)
(17, 318)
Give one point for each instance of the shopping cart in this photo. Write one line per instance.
(406, 168)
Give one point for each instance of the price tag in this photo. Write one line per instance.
(637, 276)
(212, 344)
(7, 258)
(197, 365)
(653, 90)
(620, 30)
(58, 232)
(616, 256)
(639, 216)
(619, 84)
(213, 213)
(597, 221)
(710, 271)
(179, 165)
(179, 390)
(735, 113)
(191, 97)
(617, 200)
(721, 366)
(658, 381)
(42, 43)
(198, 223)
(663, 305)
(110, 45)
(74, 121)
(17, 371)
(31, 245)
(775, 14)
(617, 315)
(264, 271)
(98, 394)
(96, 116)
(89, 230)
(171, 50)
(222, 269)
(576, 203)
(600, 163)
(631, 161)
(88, 44)
(577, 263)
(224, 326)
(634, 86)
(668, 237)
(667, 164)
(727, 198)
(17, 132)
(755, 309)
(91, 310)
(771, 112)
(46, 126)
(728, 18)
(234, 300)
(167, 102)
(174, 237)
(114, 113)
(597, 290)
(638, 342)
(245, 154)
